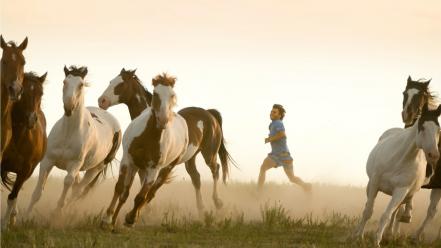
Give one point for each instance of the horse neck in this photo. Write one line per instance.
(135, 105)
(407, 143)
(5, 102)
(76, 120)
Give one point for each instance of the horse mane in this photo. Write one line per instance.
(78, 72)
(131, 73)
(33, 77)
(432, 99)
(147, 93)
(12, 43)
(164, 79)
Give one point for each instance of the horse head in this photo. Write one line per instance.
(415, 96)
(12, 64)
(428, 133)
(164, 99)
(73, 93)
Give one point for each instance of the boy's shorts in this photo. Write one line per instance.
(282, 159)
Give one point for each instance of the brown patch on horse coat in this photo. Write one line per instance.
(127, 91)
(145, 148)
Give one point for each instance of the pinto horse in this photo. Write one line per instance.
(28, 143)
(126, 88)
(84, 139)
(12, 73)
(159, 139)
(415, 95)
(397, 166)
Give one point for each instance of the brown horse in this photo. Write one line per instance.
(12, 72)
(126, 88)
(28, 143)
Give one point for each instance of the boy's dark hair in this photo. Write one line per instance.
(280, 109)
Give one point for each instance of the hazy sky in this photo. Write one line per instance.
(339, 67)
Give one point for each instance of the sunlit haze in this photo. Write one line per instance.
(339, 67)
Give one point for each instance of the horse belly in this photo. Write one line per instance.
(189, 153)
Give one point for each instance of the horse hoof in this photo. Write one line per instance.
(128, 225)
(405, 219)
(105, 225)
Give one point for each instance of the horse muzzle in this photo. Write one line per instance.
(68, 111)
(15, 91)
(103, 102)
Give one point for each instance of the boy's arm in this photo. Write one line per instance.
(275, 137)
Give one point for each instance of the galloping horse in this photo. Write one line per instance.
(397, 166)
(415, 95)
(126, 88)
(28, 143)
(159, 139)
(84, 139)
(12, 73)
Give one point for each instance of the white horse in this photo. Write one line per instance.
(84, 139)
(415, 95)
(397, 166)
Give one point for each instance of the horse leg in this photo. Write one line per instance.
(435, 196)
(215, 172)
(45, 168)
(84, 186)
(371, 192)
(127, 184)
(141, 197)
(389, 232)
(11, 210)
(162, 178)
(407, 215)
(76, 184)
(68, 181)
(190, 166)
(397, 198)
(119, 187)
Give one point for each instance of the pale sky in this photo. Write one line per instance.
(339, 67)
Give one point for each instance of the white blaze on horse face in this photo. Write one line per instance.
(108, 98)
(427, 139)
(167, 97)
(410, 94)
(72, 91)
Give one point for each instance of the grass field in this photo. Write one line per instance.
(282, 216)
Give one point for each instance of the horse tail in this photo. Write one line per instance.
(224, 155)
(7, 180)
(107, 161)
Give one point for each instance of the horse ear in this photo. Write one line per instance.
(43, 77)
(84, 72)
(66, 71)
(134, 72)
(24, 44)
(3, 42)
(122, 70)
(409, 79)
(427, 83)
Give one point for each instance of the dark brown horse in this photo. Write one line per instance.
(12, 72)
(28, 143)
(126, 88)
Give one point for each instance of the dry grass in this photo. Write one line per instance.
(283, 215)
